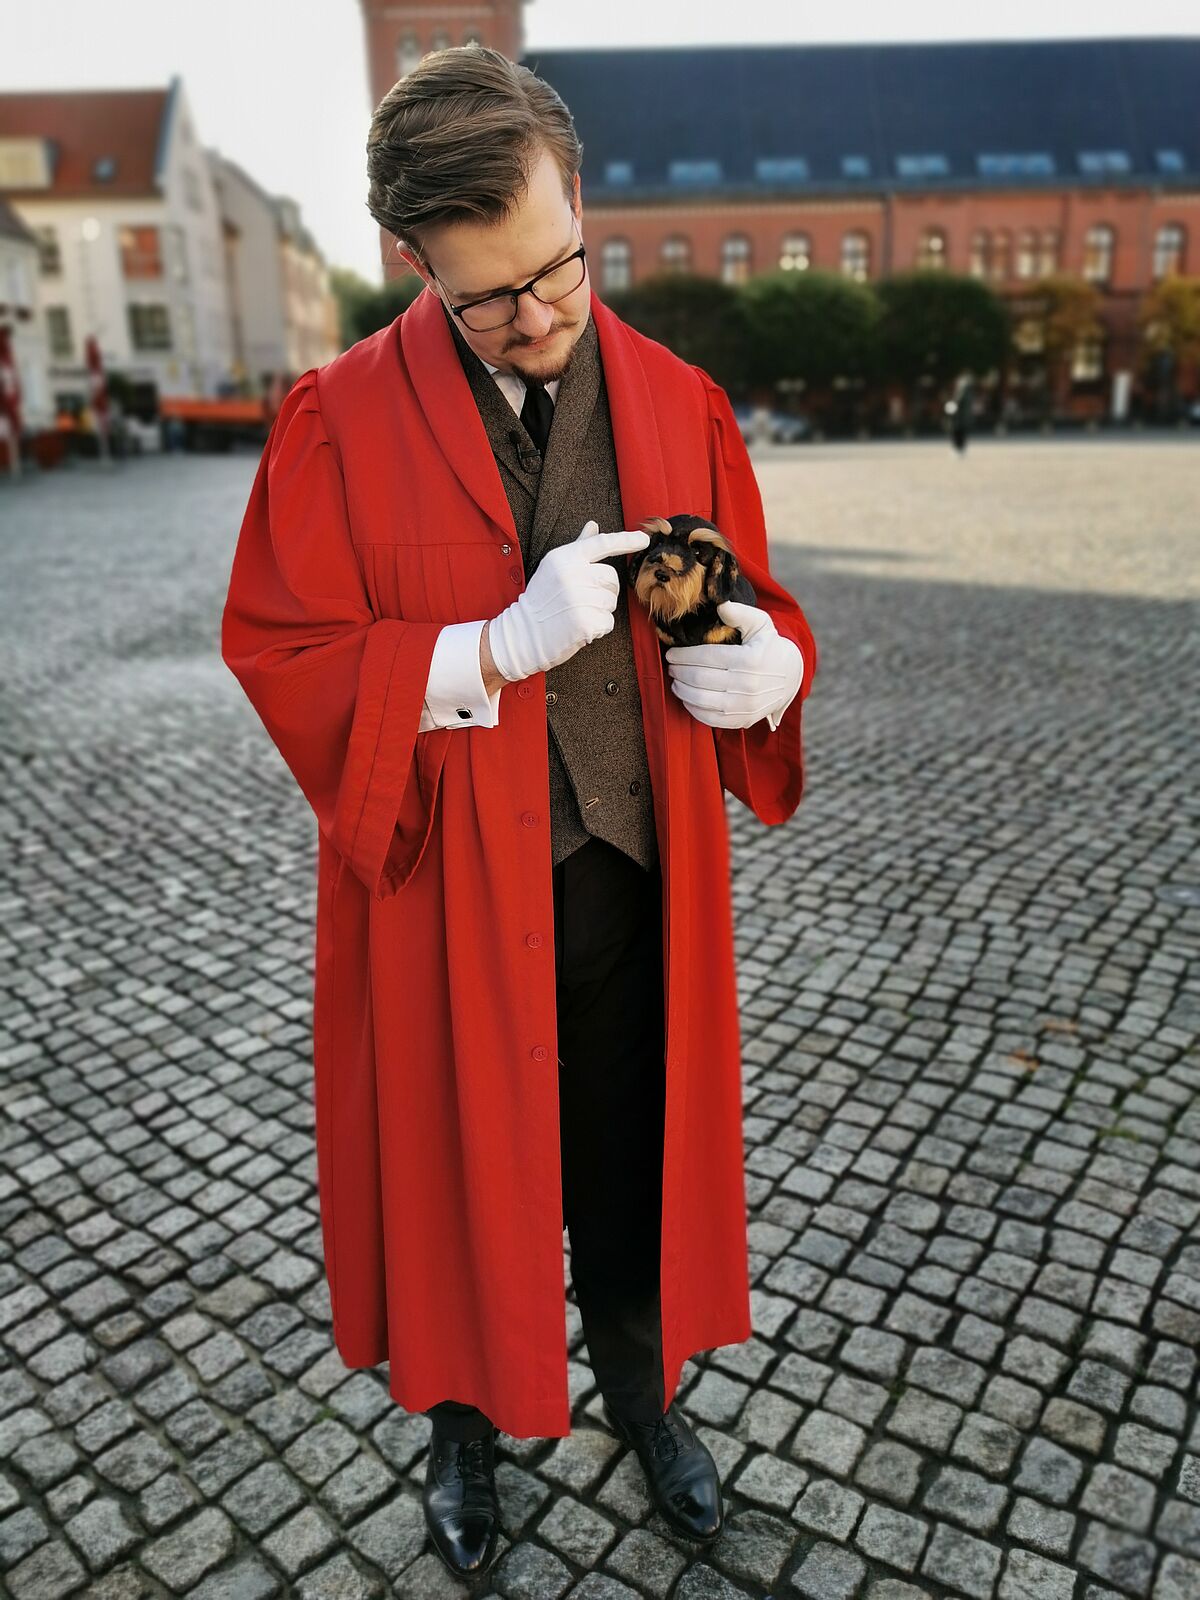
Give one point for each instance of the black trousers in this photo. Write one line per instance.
(612, 1087)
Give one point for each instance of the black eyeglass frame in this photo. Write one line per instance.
(514, 294)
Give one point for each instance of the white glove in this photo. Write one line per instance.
(735, 685)
(570, 600)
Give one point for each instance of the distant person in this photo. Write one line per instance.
(960, 409)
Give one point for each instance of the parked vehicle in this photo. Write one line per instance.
(1193, 413)
(194, 422)
(788, 428)
(780, 427)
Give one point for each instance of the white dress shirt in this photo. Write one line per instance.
(455, 696)
(454, 693)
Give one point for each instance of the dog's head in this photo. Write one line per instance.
(687, 562)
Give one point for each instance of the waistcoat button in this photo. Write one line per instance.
(505, 548)
(551, 696)
(539, 1052)
(635, 786)
(533, 940)
(529, 818)
(611, 686)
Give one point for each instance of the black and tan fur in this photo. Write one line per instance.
(682, 575)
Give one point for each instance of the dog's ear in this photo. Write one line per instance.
(706, 543)
(656, 527)
(719, 562)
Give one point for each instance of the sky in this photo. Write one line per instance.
(280, 86)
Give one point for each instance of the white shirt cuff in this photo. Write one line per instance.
(454, 693)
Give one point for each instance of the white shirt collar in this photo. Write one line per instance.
(513, 388)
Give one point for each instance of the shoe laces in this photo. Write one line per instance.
(664, 1436)
(469, 1458)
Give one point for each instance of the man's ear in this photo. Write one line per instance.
(414, 265)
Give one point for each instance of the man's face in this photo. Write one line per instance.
(469, 261)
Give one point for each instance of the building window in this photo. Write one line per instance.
(1001, 255)
(1170, 161)
(1025, 164)
(735, 258)
(1099, 163)
(441, 40)
(616, 264)
(931, 249)
(618, 172)
(856, 255)
(472, 38)
(1029, 336)
(781, 169)
(141, 252)
(1026, 253)
(922, 166)
(856, 166)
(694, 172)
(1048, 254)
(676, 254)
(177, 256)
(1168, 250)
(49, 252)
(796, 255)
(1087, 361)
(981, 250)
(149, 328)
(1098, 253)
(408, 53)
(58, 327)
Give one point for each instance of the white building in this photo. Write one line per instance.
(284, 312)
(116, 187)
(18, 313)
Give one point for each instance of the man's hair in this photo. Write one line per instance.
(457, 139)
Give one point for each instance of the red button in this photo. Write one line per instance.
(533, 940)
(529, 818)
(524, 690)
(539, 1052)
(515, 574)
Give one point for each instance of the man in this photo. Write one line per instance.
(525, 1011)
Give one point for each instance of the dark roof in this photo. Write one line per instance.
(1088, 112)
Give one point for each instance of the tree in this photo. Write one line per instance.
(936, 324)
(815, 326)
(699, 318)
(1068, 311)
(1169, 319)
(364, 308)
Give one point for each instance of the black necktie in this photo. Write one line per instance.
(537, 413)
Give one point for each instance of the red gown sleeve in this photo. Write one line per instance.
(764, 769)
(339, 690)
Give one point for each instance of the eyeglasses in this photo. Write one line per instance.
(498, 310)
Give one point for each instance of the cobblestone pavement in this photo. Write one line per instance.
(972, 1081)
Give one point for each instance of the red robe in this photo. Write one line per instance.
(377, 515)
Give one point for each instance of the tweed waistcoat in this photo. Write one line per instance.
(599, 771)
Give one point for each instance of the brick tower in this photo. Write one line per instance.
(399, 32)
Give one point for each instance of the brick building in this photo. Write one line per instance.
(1007, 160)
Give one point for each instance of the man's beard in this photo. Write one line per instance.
(521, 353)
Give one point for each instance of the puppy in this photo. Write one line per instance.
(682, 575)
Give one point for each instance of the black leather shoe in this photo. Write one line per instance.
(462, 1510)
(681, 1473)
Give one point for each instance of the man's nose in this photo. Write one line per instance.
(533, 319)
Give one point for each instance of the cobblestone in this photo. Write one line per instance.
(971, 1079)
